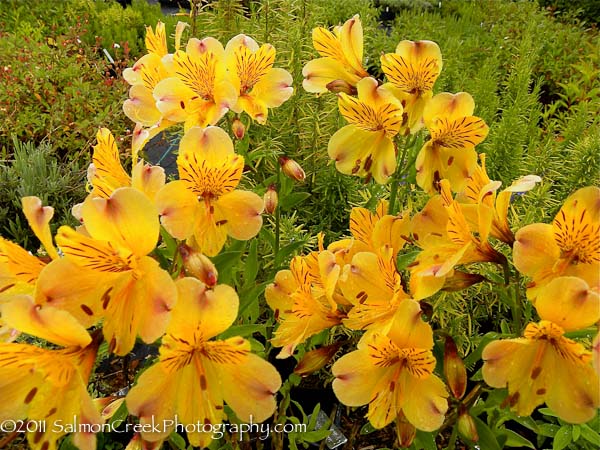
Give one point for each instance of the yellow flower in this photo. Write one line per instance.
(106, 174)
(145, 75)
(304, 300)
(450, 153)
(446, 240)
(393, 374)
(259, 86)
(342, 54)
(44, 385)
(484, 210)
(569, 246)
(373, 286)
(196, 375)
(412, 71)
(544, 365)
(106, 272)
(365, 147)
(372, 231)
(201, 92)
(204, 204)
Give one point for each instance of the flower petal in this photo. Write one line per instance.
(242, 212)
(178, 209)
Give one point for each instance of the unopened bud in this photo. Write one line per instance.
(454, 369)
(466, 425)
(108, 406)
(271, 199)
(316, 360)
(198, 265)
(405, 431)
(291, 168)
(462, 280)
(238, 128)
(341, 86)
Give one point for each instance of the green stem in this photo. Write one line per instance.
(515, 302)
(277, 216)
(398, 174)
(453, 437)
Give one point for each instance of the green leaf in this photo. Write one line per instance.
(548, 429)
(515, 439)
(251, 264)
(367, 428)
(293, 199)
(169, 241)
(404, 259)
(286, 251)
(547, 412)
(225, 261)
(562, 438)
(590, 435)
(243, 331)
(425, 441)
(476, 355)
(487, 440)
(176, 440)
(576, 430)
(316, 435)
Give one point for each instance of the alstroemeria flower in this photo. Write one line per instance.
(446, 239)
(450, 153)
(106, 272)
(544, 366)
(201, 91)
(569, 246)
(204, 204)
(487, 211)
(365, 147)
(196, 375)
(45, 385)
(412, 71)
(373, 286)
(304, 300)
(372, 231)
(258, 84)
(106, 174)
(19, 269)
(342, 54)
(145, 74)
(393, 374)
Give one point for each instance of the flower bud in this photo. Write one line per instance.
(238, 128)
(291, 168)
(198, 265)
(454, 369)
(466, 425)
(316, 360)
(405, 431)
(271, 199)
(341, 86)
(462, 280)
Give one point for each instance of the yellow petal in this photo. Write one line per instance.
(448, 106)
(49, 323)
(156, 41)
(38, 217)
(178, 209)
(147, 179)
(109, 174)
(535, 250)
(249, 386)
(127, 219)
(351, 42)
(141, 106)
(241, 211)
(568, 302)
(425, 401)
(20, 264)
(274, 88)
(216, 309)
(318, 73)
(278, 294)
(356, 379)
(408, 329)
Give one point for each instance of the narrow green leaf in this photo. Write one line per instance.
(590, 435)
(251, 264)
(177, 441)
(425, 441)
(487, 440)
(243, 331)
(515, 439)
(295, 198)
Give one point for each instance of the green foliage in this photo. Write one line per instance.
(34, 171)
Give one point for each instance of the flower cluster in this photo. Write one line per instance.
(106, 275)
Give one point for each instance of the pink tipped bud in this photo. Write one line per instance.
(316, 360)
(405, 431)
(466, 425)
(199, 266)
(454, 369)
(238, 128)
(271, 199)
(341, 86)
(462, 280)
(291, 168)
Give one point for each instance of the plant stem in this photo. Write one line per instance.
(277, 216)
(398, 174)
